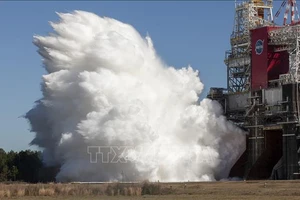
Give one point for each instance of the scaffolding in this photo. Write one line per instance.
(288, 39)
(248, 15)
(271, 115)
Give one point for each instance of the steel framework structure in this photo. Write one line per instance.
(271, 115)
(288, 39)
(248, 15)
(290, 4)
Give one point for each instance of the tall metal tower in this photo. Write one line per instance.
(248, 15)
(288, 38)
(290, 6)
(263, 69)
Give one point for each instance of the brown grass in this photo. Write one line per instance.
(5, 193)
(58, 189)
(46, 192)
(20, 192)
(1, 193)
(204, 190)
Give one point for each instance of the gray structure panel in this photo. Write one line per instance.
(237, 101)
(273, 95)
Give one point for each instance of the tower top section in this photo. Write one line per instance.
(290, 8)
(248, 15)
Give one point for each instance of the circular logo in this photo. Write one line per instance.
(259, 47)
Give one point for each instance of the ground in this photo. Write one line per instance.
(241, 190)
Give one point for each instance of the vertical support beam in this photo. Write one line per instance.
(287, 10)
(290, 157)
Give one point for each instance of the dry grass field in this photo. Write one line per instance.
(261, 190)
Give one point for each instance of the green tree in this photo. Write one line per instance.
(13, 170)
(25, 166)
(12, 174)
(28, 164)
(3, 165)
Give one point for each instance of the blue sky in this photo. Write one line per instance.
(195, 33)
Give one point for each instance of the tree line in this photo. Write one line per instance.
(25, 166)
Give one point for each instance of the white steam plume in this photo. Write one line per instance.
(106, 86)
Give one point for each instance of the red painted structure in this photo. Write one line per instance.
(278, 63)
(266, 64)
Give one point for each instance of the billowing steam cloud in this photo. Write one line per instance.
(106, 86)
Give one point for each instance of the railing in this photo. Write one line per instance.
(286, 79)
(285, 35)
(235, 61)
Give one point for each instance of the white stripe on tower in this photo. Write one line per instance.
(292, 12)
(287, 9)
(296, 11)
